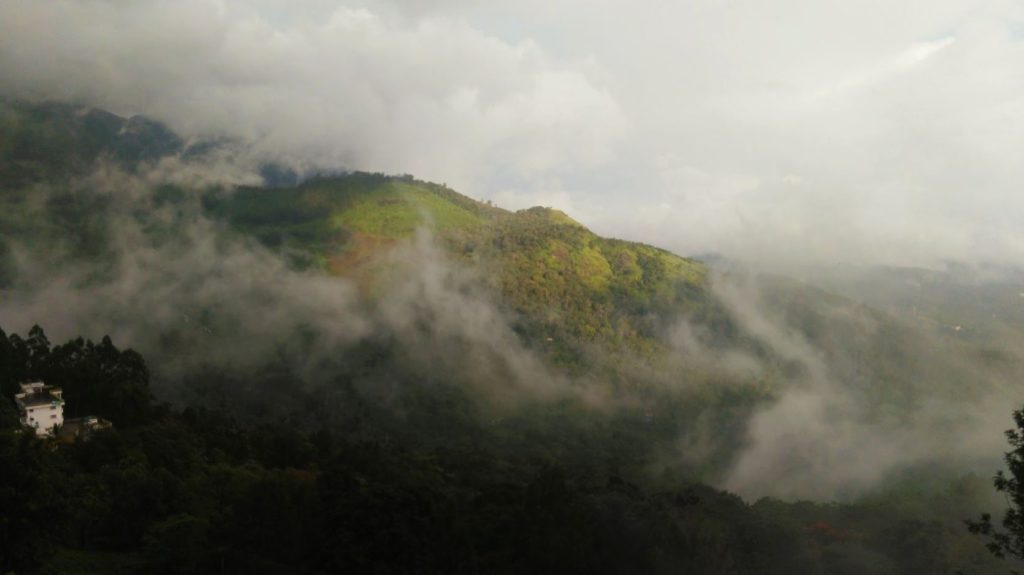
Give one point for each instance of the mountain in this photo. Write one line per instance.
(495, 360)
(51, 141)
(567, 282)
(544, 262)
(527, 304)
(565, 287)
(978, 303)
(86, 190)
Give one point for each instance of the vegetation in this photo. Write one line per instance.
(374, 461)
(1008, 541)
(568, 286)
(194, 491)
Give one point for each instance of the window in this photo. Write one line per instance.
(53, 416)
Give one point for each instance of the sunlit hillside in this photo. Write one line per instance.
(310, 329)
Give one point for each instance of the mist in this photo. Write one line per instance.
(869, 396)
(516, 286)
(854, 396)
(876, 135)
(835, 139)
(190, 294)
(339, 87)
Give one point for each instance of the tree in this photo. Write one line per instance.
(99, 379)
(1008, 540)
(178, 544)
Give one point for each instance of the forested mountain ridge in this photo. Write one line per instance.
(388, 350)
(174, 243)
(584, 303)
(544, 264)
(513, 306)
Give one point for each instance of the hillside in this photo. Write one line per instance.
(510, 305)
(564, 280)
(566, 287)
(626, 314)
(496, 356)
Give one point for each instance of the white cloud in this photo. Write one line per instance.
(681, 124)
(352, 88)
(901, 62)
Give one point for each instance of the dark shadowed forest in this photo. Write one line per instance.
(197, 491)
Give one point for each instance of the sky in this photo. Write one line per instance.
(786, 133)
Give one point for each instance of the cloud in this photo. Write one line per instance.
(782, 134)
(900, 63)
(863, 399)
(853, 397)
(195, 297)
(899, 122)
(191, 295)
(332, 85)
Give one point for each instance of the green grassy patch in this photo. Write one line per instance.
(397, 209)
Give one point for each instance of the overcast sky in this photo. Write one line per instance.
(787, 131)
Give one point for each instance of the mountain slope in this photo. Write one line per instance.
(561, 277)
(490, 343)
(548, 267)
(102, 218)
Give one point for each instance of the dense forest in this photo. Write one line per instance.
(194, 490)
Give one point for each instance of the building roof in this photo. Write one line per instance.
(39, 399)
(37, 394)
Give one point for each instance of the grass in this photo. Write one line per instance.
(397, 209)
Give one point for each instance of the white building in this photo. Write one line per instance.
(41, 407)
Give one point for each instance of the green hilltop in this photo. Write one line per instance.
(546, 265)
(565, 287)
